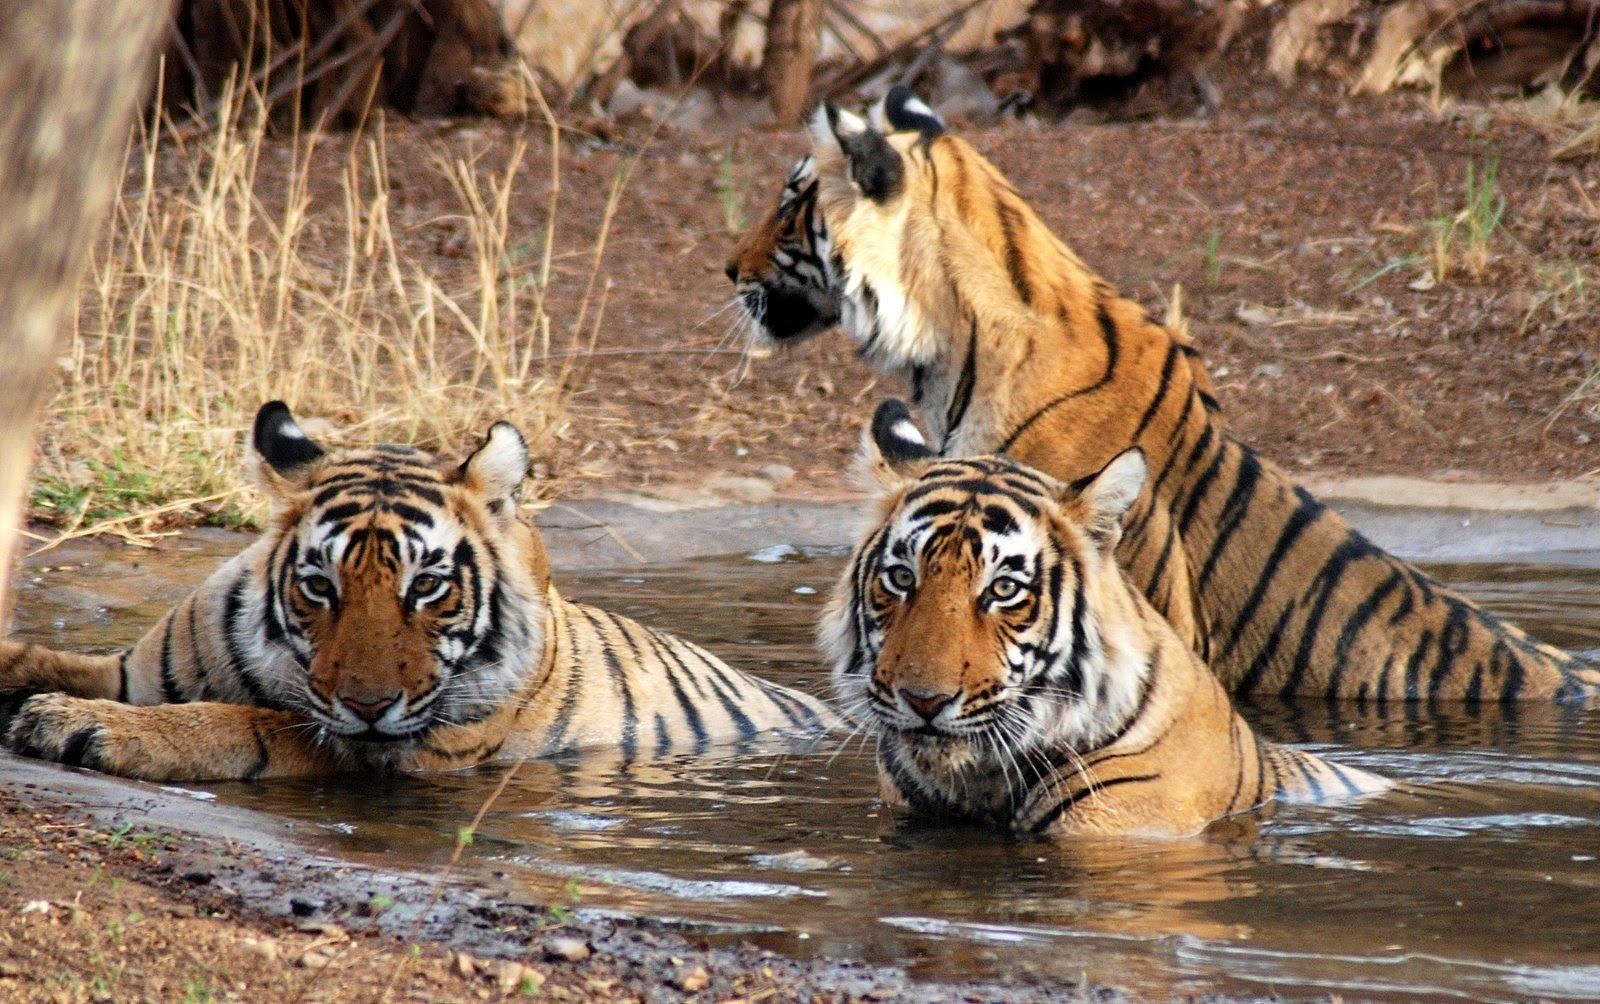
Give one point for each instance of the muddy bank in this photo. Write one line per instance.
(143, 876)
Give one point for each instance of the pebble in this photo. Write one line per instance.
(313, 960)
(694, 980)
(567, 949)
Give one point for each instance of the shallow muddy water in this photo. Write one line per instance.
(1480, 880)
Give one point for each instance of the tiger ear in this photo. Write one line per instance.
(497, 469)
(1101, 500)
(893, 450)
(875, 167)
(286, 458)
(902, 111)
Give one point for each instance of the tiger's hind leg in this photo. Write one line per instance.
(203, 741)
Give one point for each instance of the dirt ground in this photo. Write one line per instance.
(94, 909)
(1297, 226)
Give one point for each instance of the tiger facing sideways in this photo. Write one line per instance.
(397, 616)
(941, 273)
(1016, 678)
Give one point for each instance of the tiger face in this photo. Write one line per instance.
(404, 590)
(793, 276)
(780, 268)
(979, 619)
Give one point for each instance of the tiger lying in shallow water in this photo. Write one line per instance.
(912, 241)
(397, 616)
(1016, 677)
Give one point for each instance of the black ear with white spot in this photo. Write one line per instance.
(875, 167)
(497, 468)
(894, 450)
(903, 111)
(1104, 499)
(281, 444)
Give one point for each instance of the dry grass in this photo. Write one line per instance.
(202, 303)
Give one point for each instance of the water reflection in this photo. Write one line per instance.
(1476, 879)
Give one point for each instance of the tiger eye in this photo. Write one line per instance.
(901, 578)
(1004, 589)
(424, 584)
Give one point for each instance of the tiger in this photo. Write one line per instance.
(397, 616)
(915, 244)
(1016, 678)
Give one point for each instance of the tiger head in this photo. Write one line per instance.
(405, 590)
(983, 615)
(871, 225)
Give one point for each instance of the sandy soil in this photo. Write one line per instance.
(1295, 227)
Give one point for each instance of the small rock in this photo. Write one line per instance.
(778, 473)
(313, 960)
(266, 951)
(567, 949)
(508, 976)
(694, 980)
(466, 966)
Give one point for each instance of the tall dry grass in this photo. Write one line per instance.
(202, 303)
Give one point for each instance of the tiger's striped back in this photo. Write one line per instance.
(667, 693)
(942, 273)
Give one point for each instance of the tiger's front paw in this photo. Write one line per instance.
(100, 735)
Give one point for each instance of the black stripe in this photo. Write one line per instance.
(1233, 513)
(569, 697)
(1305, 513)
(263, 756)
(1016, 263)
(963, 392)
(1165, 385)
(1109, 331)
(169, 682)
(1351, 631)
(668, 659)
(122, 672)
(1062, 807)
(619, 676)
(231, 622)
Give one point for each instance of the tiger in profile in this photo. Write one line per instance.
(397, 616)
(1015, 677)
(910, 240)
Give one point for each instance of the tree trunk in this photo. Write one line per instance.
(73, 73)
(794, 30)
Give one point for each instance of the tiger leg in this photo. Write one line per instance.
(34, 669)
(205, 741)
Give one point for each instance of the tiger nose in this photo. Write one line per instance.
(925, 703)
(732, 271)
(369, 711)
